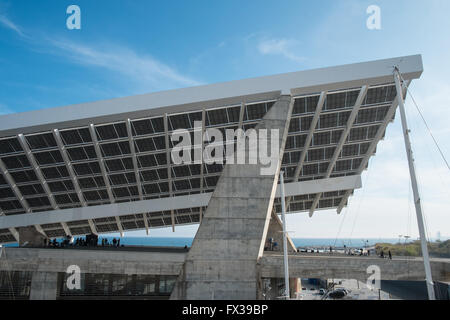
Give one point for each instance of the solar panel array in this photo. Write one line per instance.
(71, 166)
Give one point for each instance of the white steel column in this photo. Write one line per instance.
(202, 175)
(417, 202)
(169, 167)
(101, 162)
(285, 253)
(344, 135)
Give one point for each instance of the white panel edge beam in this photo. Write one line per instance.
(164, 204)
(340, 145)
(202, 165)
(220, 94)
(169, 166)
(321, 185)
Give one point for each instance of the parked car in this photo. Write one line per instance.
(338, 293)
(322, 291)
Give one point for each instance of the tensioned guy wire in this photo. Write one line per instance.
(426, 125)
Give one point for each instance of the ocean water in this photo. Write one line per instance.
(299, 242)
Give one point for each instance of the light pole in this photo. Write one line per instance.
(285, 256)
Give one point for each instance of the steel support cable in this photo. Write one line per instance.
(361, 200)
(340, 226)
(426, 125)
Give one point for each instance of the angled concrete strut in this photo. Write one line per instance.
(222, 263)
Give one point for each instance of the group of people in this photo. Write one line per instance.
(90, 240)
(114, 242)
(389, 254)
(271, 245)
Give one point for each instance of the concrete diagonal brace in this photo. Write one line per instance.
(222, 263)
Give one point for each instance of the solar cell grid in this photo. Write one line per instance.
(115, 149)
(142, 127)
(38, 202)
(41, 141)
(81, 153)
(50, 157)
(149, 175)
(76, 136)
(6, 193)
(32, 189)
(10, 205)
(24, 176)
(16, 162)
(10, 145)
(179, 121)
(87, 168)
(111, 131)
(66, 198)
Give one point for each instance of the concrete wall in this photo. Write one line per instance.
(46, 263)
(343, 267)
(44, 285)
(92, 261)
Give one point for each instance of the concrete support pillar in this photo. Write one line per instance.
(222, 261)
(43, 285)
(294, 287)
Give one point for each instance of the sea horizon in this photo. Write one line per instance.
(298, 242)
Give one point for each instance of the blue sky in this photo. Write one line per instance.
(132, 47)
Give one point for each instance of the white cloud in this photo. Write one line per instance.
(11, 25)
(283, 47)
(143, 70)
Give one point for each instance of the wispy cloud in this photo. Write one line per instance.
(283, 47)
(145, 70)
(6, 22)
